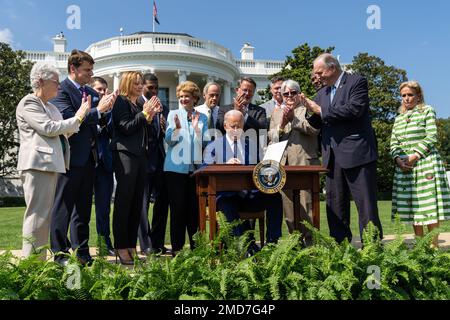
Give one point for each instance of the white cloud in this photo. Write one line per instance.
(6, 36)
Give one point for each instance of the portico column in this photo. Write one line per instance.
(226, 93)
(116, 77)
(182, 76)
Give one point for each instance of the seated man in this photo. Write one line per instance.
(236, 148)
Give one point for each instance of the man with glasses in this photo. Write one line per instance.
(277, 99)
(341, 109)
(73, 199)
(290, 124)
(211, 94)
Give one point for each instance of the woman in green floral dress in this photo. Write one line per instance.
(421, 194)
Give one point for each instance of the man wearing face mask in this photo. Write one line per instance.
(234, 148)
(151, 240)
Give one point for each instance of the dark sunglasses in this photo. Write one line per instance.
(407, 95)
(290, 94)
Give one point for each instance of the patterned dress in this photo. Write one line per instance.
(420, 196)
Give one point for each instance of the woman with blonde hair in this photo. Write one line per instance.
(184, 136)
(421, 194)
(129, 146)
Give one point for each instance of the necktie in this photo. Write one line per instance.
(333, 92)
(235, 155)
(210, 119)
(156, 124)
(83, 91)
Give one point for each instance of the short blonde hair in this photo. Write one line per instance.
(127, 81)
(414, 85)
(190, 87)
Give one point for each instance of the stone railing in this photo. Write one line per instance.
(155, 42)
(259, 67)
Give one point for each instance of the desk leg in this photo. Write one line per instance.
(296, 201)
(316, 201)
(201, 196)
(212, 216)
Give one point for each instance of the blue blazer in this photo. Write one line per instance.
(184, 152)
(68, 101)
(346, 124)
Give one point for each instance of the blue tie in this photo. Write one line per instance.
(333, 92)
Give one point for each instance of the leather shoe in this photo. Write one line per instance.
(86, 260)
(63, 262)
(253, 248)
(147, 251)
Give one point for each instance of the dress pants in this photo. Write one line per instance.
(73, 202)
(103, 189)
(230, 203)
(39, 201)
(154, 237)
(183, 203)
(359, 182)
(131, 179)
(305, 211)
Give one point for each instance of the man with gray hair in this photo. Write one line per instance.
(211, 94)
(341, 109)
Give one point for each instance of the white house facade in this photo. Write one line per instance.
(173, 57)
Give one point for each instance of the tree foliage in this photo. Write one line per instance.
(385, 165)
(14, 85)
(443, 139)
(298, 67)
(384, 82)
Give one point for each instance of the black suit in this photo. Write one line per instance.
(154, 237)
(130, 156)
(257, 118)
(73, 198)
(349, 152)
(104, 182)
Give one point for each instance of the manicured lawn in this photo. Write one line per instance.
(11, 225)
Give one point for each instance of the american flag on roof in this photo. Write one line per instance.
(155, 13)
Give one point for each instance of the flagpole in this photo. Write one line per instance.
(153, 15)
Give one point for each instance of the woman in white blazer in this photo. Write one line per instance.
(44, 152)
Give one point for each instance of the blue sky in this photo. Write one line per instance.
(414, 35)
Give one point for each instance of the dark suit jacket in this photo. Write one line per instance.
(156, 149)
(256, 117)
(129, 127)
(346, 125)
(104, 139)
(68, 101)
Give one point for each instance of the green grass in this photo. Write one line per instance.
(11, 225)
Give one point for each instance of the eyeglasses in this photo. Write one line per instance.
(55, 81)
(290, 94)
(407, 95)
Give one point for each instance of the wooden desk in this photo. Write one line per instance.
(215, 178)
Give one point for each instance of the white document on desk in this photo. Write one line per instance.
(275, 151)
